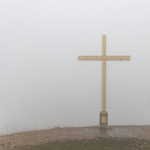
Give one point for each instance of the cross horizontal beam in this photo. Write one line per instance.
(103, 58)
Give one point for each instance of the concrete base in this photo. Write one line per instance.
(103, 119)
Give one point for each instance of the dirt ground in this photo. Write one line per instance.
(62, 134)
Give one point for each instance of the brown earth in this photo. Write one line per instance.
(62, 134)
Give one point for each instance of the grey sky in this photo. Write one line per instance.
(42, 81)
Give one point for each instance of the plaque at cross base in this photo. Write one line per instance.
(103, 119)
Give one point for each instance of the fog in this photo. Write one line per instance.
(42, 83)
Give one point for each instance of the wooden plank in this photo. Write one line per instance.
(103, 45)
(103, 57)
(117, 57)
(90, 57)
(104, 73)
(104, 85)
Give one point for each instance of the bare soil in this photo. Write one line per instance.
(38, 137)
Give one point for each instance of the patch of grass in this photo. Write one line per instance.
(92, 144)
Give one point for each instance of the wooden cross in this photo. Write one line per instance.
(103, 58)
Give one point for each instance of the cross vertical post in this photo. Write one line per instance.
(104, 73)
(103, 114)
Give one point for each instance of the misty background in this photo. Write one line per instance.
(42, 83)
